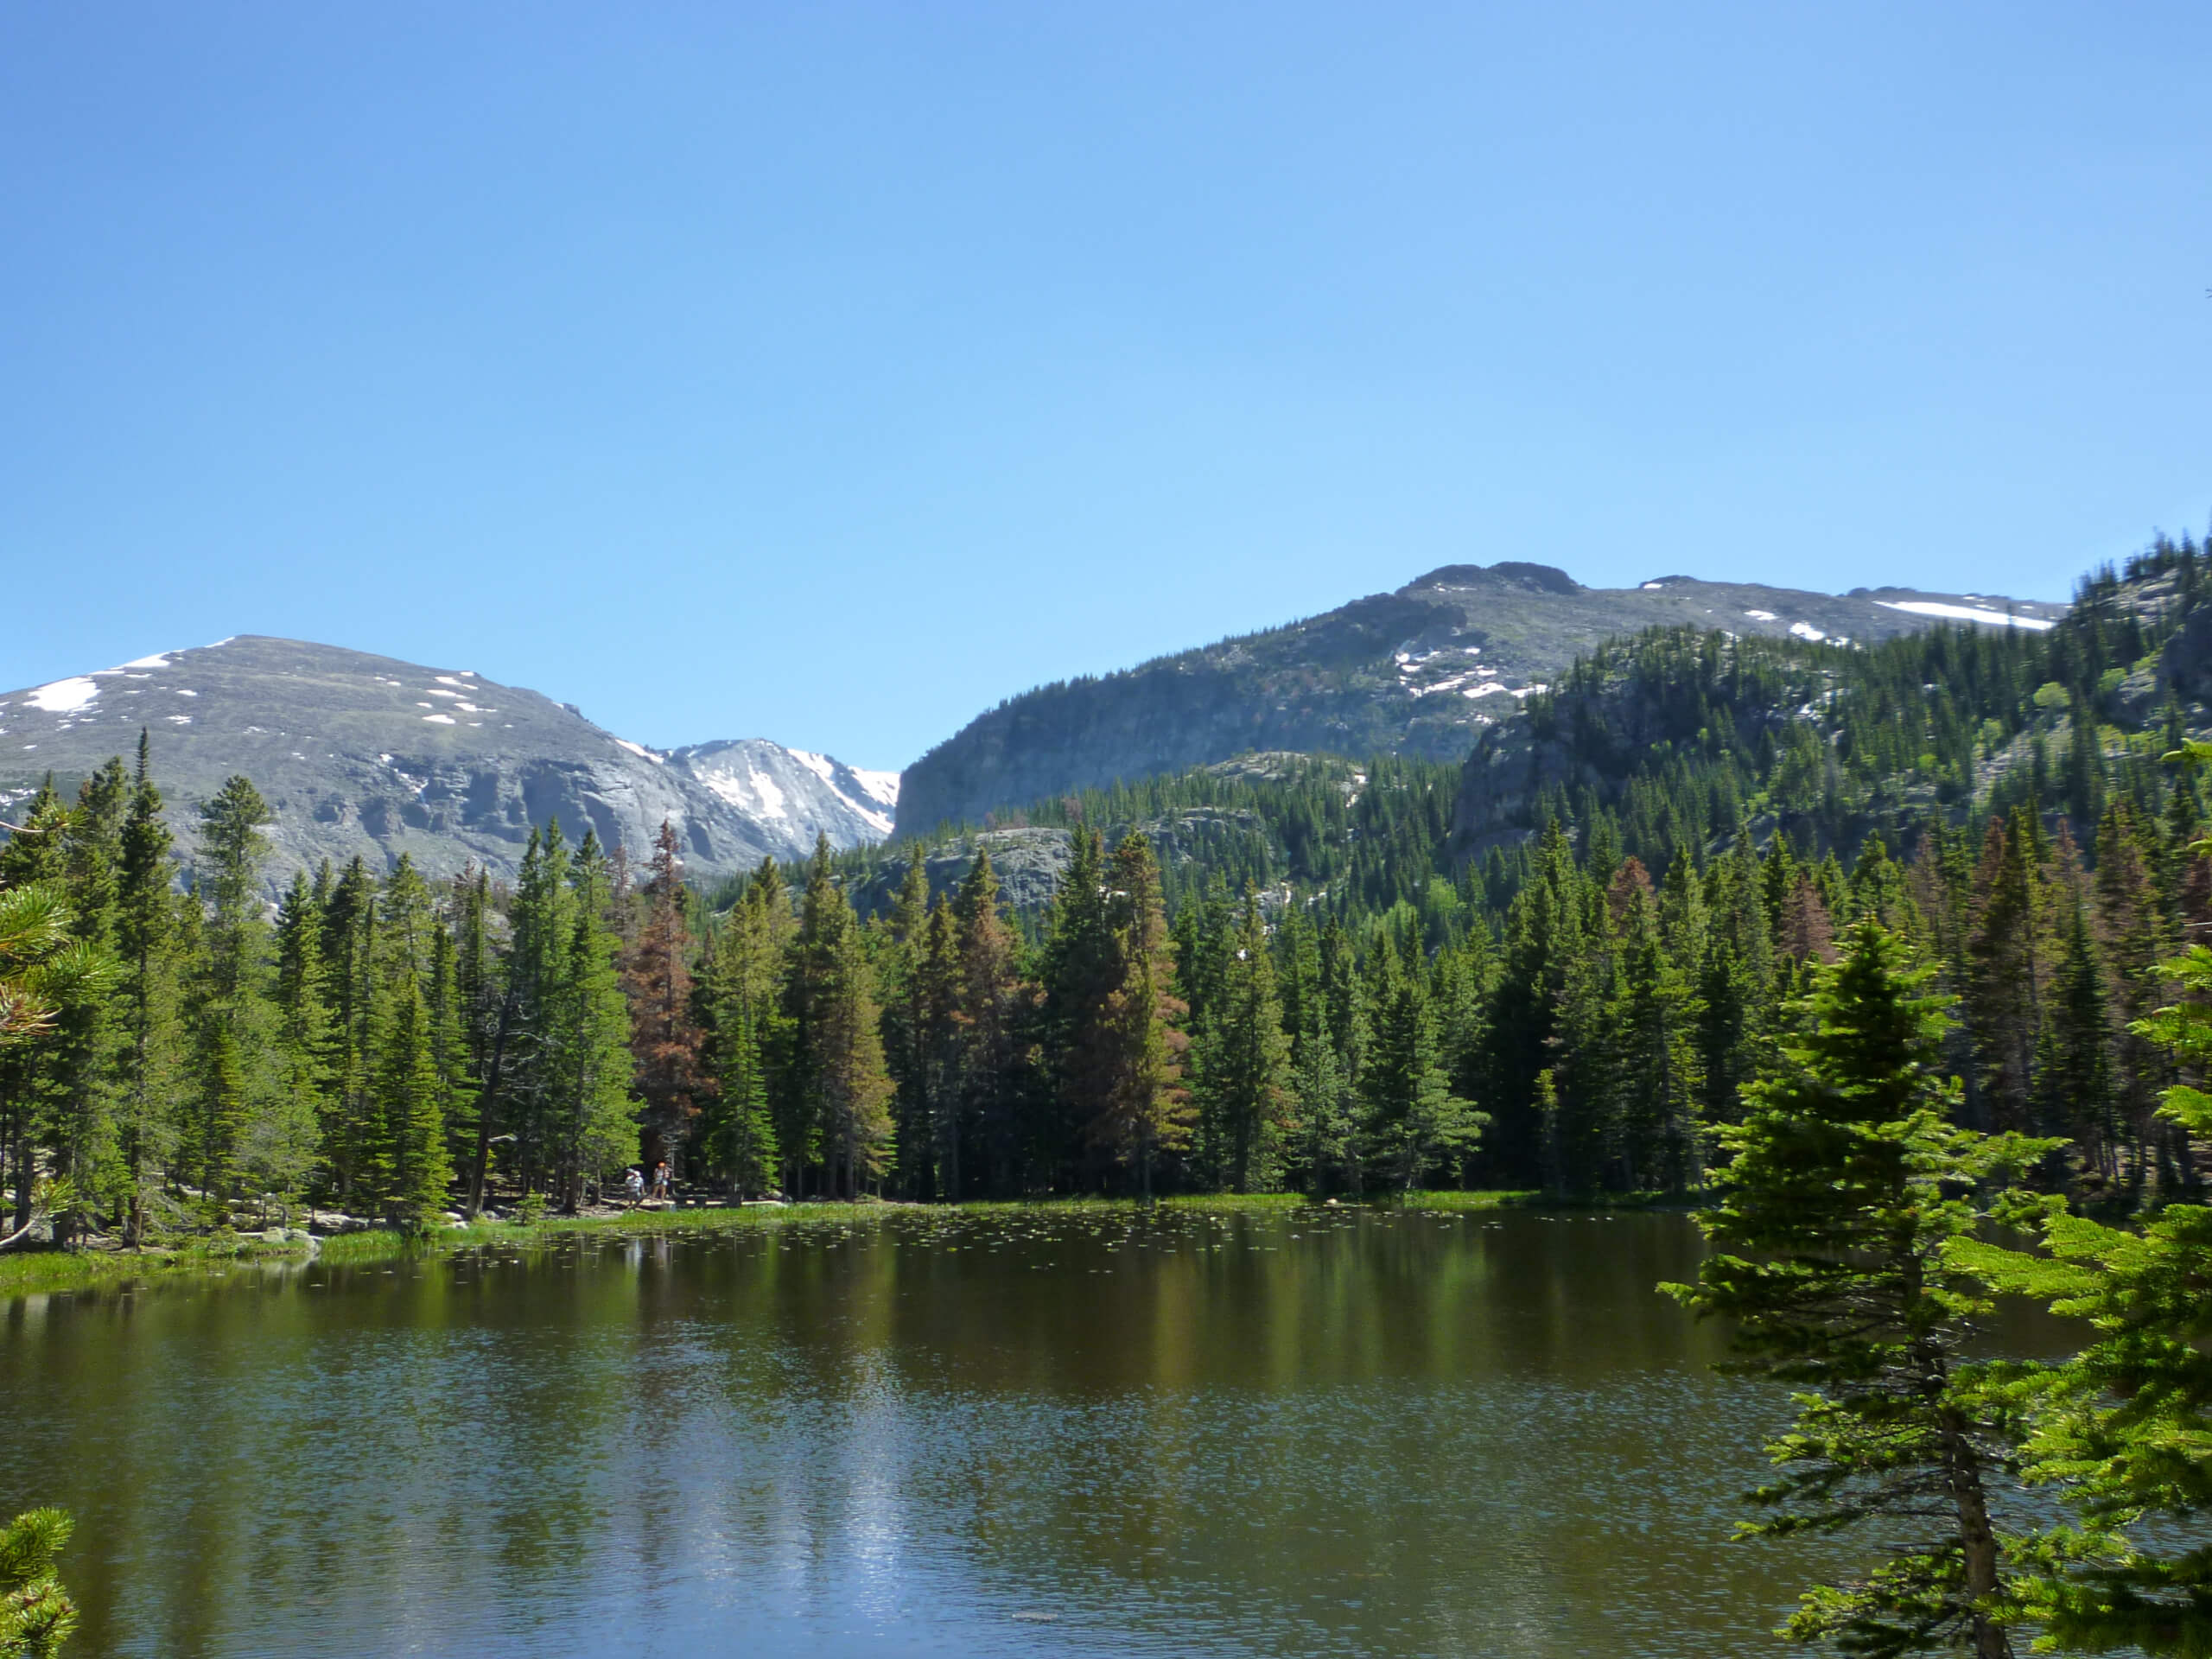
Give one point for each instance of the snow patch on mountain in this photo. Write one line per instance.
(398, 758)
(796, 793)
(881, 787)
(65, 696)
(1968, 614)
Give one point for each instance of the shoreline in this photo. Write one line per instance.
(47, 1271)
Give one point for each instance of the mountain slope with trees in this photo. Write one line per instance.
(1419, 672)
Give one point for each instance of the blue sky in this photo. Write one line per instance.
(829, 373)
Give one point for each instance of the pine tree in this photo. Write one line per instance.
(485, 1006)
(539, 979)
(2073, 1094)
(82, 1056)
(1655, 1063)
(835, 1087)
(457, 1090)
(1241, 1063)
(36, 1615)
(986, 1018)
(656, 976)
(2122, 1429)
(809, 982)
(750, 1054)
(1545, 935)
(1131, 1054)
(943, 1099)
(1828, 1261)
(856, 1084)
(1584, 1136)
(2132, 939)
(147, 1001)
(284, 1149)
(234, 1063)
(410, 1166)
(350, 1136)
(1735, 984)
(1078, 970)
(1328, 1071)
(907, 1034)
(740, 1137)
(2008, 966)
(591, 1123)
(1409, 1117)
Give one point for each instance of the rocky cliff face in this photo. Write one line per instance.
(365, 756)
(1421, 671)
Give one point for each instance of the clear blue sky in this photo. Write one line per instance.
(829, 372)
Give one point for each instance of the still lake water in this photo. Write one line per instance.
(1322, 1432)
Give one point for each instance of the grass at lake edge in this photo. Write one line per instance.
(56, 1270)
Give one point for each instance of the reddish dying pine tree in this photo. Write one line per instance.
(656, 977)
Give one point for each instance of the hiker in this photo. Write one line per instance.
(636, 1185)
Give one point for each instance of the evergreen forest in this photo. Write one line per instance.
(1556, 969)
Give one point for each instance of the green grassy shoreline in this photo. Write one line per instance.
(54, 1270)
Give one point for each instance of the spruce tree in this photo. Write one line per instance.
(1410, 1119)
(2122, 1430)
(539, 965)
(234, 1063)
(36, 1615)
(1656, 1069)
(593, 1122)
(747, 1148)
(1735, 984)
(1078, 970)
(906, 1026)
(407, 1166)
(2008, 967)
(1130, 1054)
(1241, 1063)
(147, 1001)
(2074, 1095)
(856, 1084)
(484, 1005)
(944, 1097)
(83, 1056)
(2132, 939)
(458, 1091)
(284, 1151)
(665, 1035)
(1843, 1190)
(350, 1130)
(986, 1018)
(1545, 935)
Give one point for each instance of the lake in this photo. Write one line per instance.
(1320, 1431)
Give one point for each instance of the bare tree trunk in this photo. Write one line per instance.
(483, 1105)
(1962, 1475)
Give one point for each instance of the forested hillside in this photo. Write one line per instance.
(1555, 966)
(1419, 672)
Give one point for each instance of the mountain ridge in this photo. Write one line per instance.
(1414, 671)
(364, 754)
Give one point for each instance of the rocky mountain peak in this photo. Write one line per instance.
(365, 755)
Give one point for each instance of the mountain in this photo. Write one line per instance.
(1677, 736)
(1674, 737)
(1422, 671)
(368, 755)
